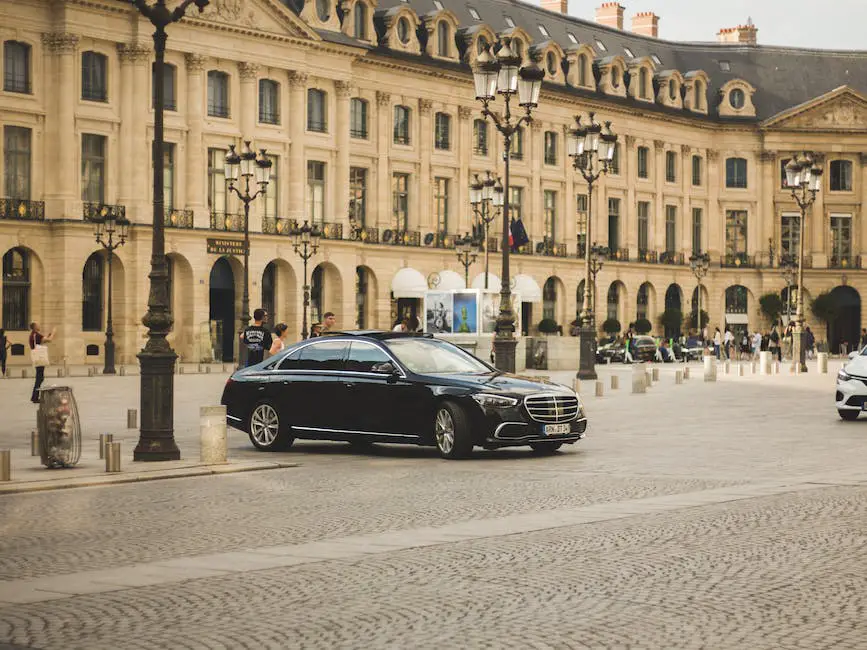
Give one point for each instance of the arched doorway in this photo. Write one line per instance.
(365, 298)
(222, 310)
(737, 310)
(17, 282)
(551, 292)
(326, 294)
(644, 302)
(269, 293)
(181, 302)
(846, 326)
(615, 308)
(705, 307)
(673, 304)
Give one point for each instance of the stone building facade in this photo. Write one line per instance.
(367, 111)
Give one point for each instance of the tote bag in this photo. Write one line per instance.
(39, 356)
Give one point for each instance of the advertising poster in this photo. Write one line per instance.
(466, 318)
(439, 312)
(491, 309)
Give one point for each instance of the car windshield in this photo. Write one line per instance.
(429, 356)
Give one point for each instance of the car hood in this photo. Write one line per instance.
(857, 366)
(496, 382)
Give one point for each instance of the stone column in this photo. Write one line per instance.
(249, 74)
(131, 192)
(686, 216)
(861, 236)
(629, 226)
(142, 138)
(570, 213)
(817, 230)
(535, 155)
(461, 204)
(196, 167)
(297, 127)
(62, 197)
(714, 220)
(341, 173)
(657, 226)
(421, 216)
(382, 214)
(767, 208)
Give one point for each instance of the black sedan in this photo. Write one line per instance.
(365, 387)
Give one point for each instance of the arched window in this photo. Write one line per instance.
(582, 69)
(403, 30)
(92, 280)
(323, 10)
(642, 83)
(481, 45)
(549, 299)
(642, 301)
(672, 297)
(699, 94)
(443, 38)
(736, 299)
(269, 292)
(359, 13)
(551, 63)
(737, 99)
(672, 89)
(16, 289)
(317, 114)
(613, 300)
(615, 76)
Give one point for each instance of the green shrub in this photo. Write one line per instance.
(548, 326)
(611, 326)
(643, 326)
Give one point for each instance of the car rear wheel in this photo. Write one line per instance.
(452, 431)
(848, 415)
(545, 447)
(267, 432)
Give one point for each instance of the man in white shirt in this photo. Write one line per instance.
(757, 344)
(728, 342)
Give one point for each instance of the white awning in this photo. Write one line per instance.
(493, 282)
(737, 319)
(408, 283)
(448, 280)
(528, 288)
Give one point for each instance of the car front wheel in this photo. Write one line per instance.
(848, 415)
(452, 431)
(267, 432)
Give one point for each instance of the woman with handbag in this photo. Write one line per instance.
(39, 356)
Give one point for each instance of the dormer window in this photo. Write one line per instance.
(725, 66)
(551, 63)
(403, 30)
(543, 31)
(601, 46)
(359, 12)
(509, 21)
(323, 10)
(572, 38)
(474, 13)
(672, 89)
(438, 5)
(737, 99)
(481, 45)
(628, 52)
(656, 59)
(443, 37)
(615, 77)
(643, 83)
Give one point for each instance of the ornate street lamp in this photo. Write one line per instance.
(804, 178)
(500, 75)
(305, 241)
(486, 199)
(598, 255)
(699, 263)
(243, 168)
(592, 149)
(788, 266)
(157, 439)
(111, 232)
(466, 248)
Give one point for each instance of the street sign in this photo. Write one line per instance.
(226, 246)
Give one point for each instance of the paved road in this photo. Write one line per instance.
(727, 515)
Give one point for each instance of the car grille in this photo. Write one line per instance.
(552, 409)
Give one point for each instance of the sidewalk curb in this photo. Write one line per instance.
(158, 475)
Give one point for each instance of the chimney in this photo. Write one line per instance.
(646, 23)
(557, 6)
(610, 14)
(740, 35)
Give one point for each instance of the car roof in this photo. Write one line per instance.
(379, 335)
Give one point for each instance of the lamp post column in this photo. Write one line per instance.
(587, 330)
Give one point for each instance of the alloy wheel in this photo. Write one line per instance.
(445, 431)
(264, 425)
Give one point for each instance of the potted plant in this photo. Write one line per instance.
(772, 307)
(611, 326)
(548, 326)
(642, 326)
(671, 321)
(691, 320)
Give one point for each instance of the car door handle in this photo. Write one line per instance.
(349, 384)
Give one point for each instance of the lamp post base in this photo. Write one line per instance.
(504, 353)
(799, 352)
(156, 440)
(587, 352)
(108, 368)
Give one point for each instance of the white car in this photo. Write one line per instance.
(851, 396)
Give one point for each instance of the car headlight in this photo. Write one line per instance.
(494, 401)
(843, 375)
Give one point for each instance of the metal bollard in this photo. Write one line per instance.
(131, 419)
(224, 368)
(34, 443)
(600, 389)
(615, 382)
(5, 465)
(112, 457)
(212, 427)
(686, 372)
(105, 439)
(656, 374)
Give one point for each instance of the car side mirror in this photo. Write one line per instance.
(852, 355)
(384, 368)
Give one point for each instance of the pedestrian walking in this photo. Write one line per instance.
(774, 346)
(717, 343)
(4, 346)
(809, 342)
(728, 343)
(39, 356)
(757, 345)
(281, 330)
(862, 343)
(787, 341)
(257, 338)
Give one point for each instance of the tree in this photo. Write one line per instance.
(643, 326)
(772, 307)
(690, 320)
(671, 320)
(611, 326)
(824, 308)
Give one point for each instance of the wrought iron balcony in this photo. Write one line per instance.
(93, 211)
(365, 234)
(551, 249)
(738, 260)
(619, 255)
(647, 256)
(227, 222)
(526, 249)
(331, 230)
(439, 240)
(278, 226)
(844, 262)
(22, 210)
(176, 218)
(401, 237)
(672, 258)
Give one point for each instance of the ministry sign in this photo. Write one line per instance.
(226, 246)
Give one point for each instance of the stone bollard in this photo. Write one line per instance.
(212, 424)
(710, 368)
(180, 369)
(112, 457)
(5, 465)
(105, 439)
(34, 443)
(576, 385)
(122, 371)
(639, 379)
(648, 378)
(752, 367)
(207, 370)
(655, 374)
(90, 371)
(224, 368)
(131, 419)
(59, 373)
(741, 372)
(727, 367)
(686, 372)
(24, 373)
(822, 361)
(201, 369)
(765, 363)
(776, 369)
(615, 382)
(678, 377)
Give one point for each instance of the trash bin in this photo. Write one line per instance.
(59, 427)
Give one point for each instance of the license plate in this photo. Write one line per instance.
(554, 429)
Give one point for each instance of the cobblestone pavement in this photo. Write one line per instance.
(782, 569)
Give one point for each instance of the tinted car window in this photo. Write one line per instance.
(327, 355)
(291, 361)
(435, 356)
(363, 356)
